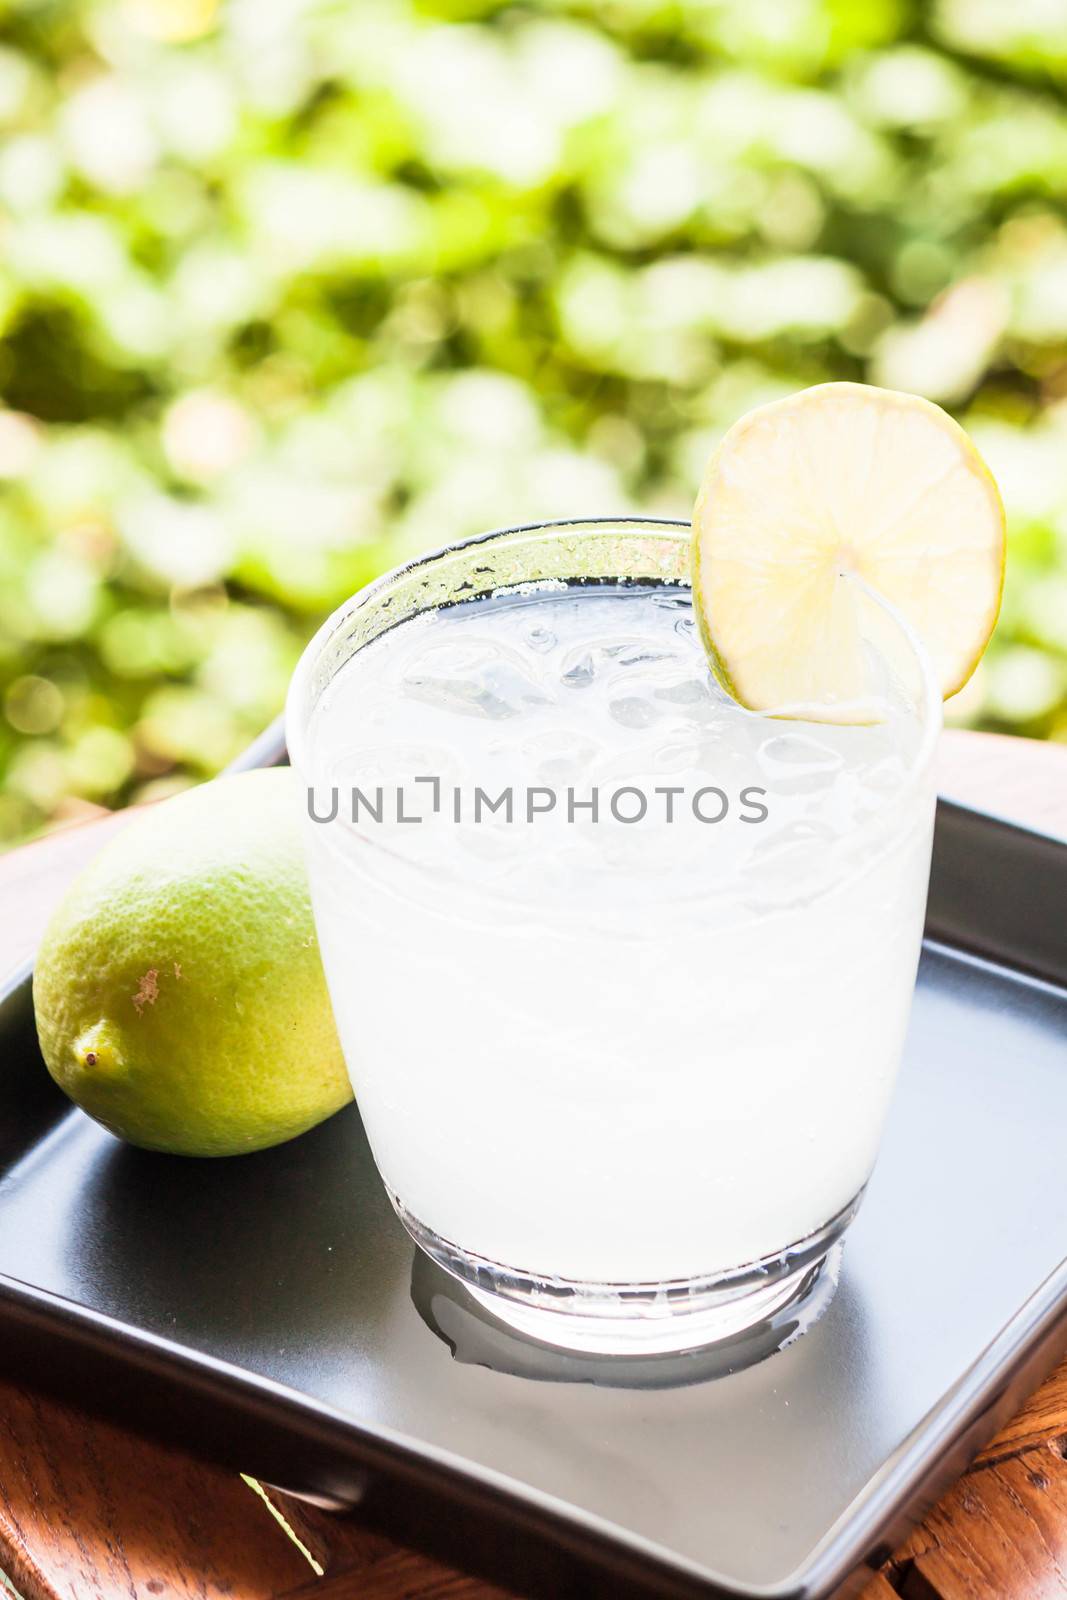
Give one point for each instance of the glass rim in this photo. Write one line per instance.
(294, 718)
(928, 702)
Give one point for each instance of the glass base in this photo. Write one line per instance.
(788, 1291)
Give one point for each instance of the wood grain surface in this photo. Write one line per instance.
(90, 1512)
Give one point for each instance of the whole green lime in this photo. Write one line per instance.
(179, 992)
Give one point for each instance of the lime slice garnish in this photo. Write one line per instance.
(837, 483)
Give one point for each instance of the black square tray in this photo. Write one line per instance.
(268, 1312)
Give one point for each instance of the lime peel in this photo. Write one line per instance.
(179, 991)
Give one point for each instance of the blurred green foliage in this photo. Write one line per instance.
(291, 289)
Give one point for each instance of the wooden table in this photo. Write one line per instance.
(91, 1512)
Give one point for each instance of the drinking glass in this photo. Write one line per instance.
(632, 1098)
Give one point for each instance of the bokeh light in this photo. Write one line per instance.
(292, 290)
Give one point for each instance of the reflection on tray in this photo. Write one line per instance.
(477, 1338)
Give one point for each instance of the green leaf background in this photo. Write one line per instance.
(293, 289)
